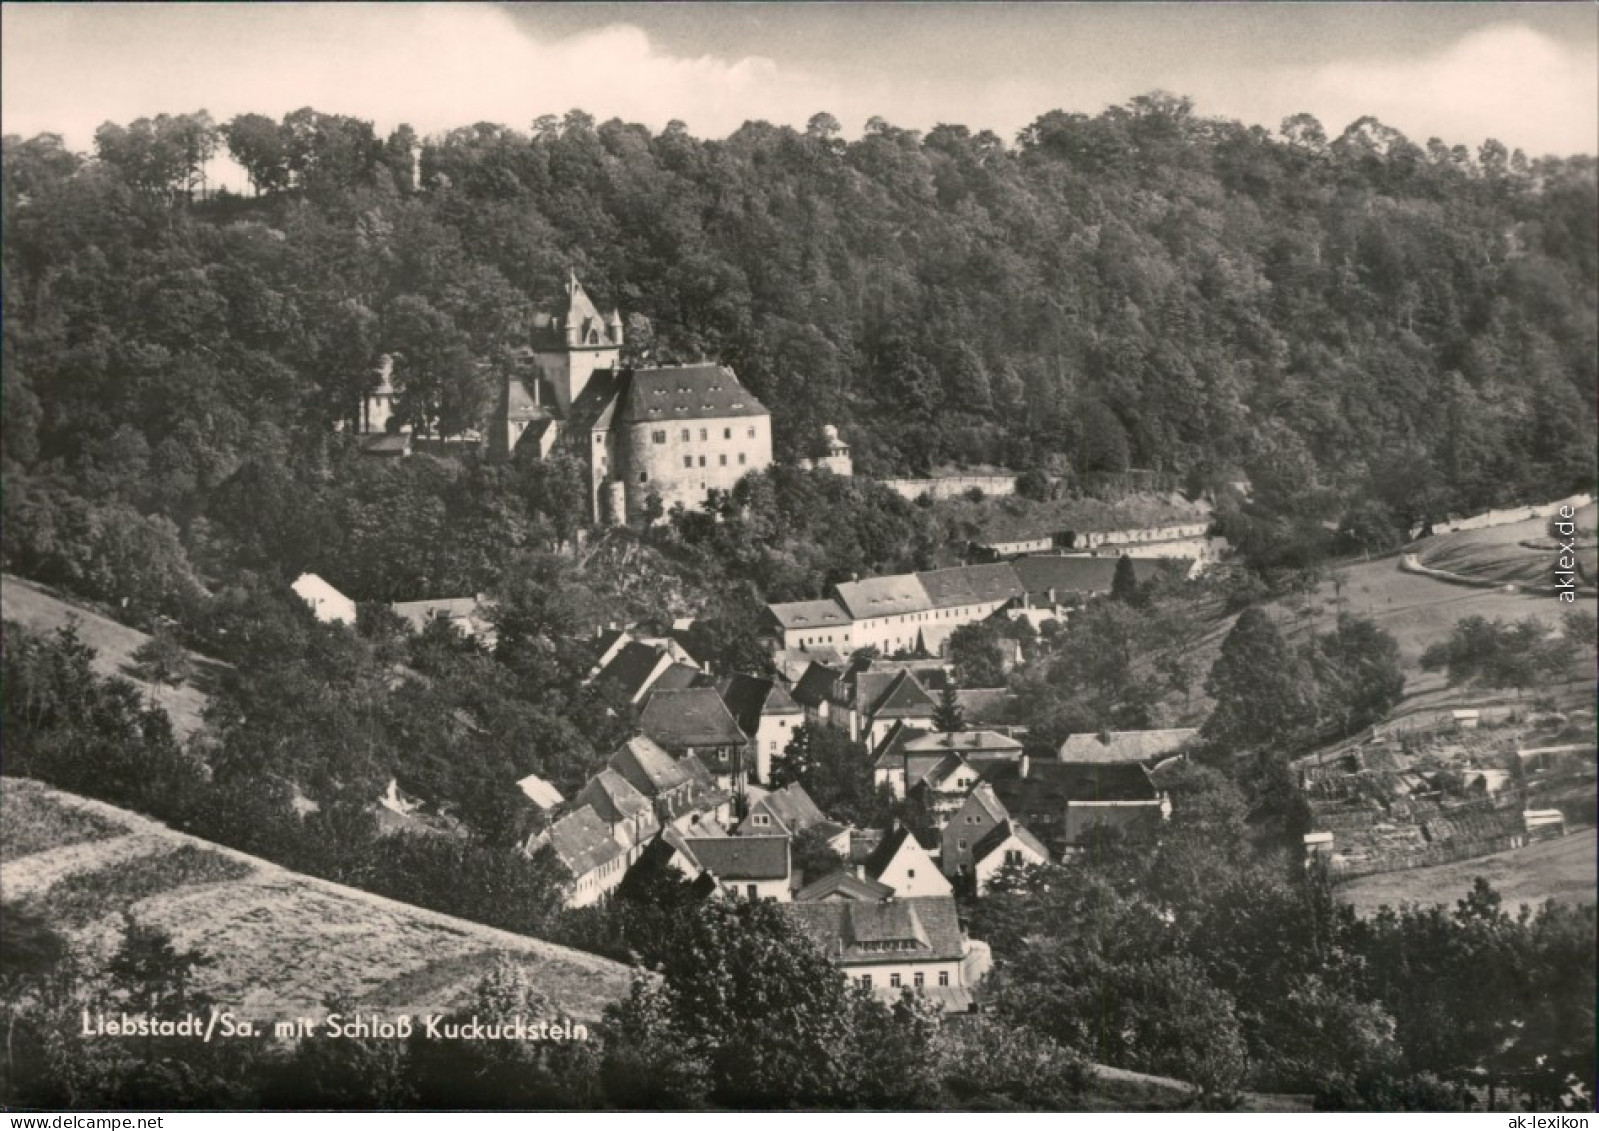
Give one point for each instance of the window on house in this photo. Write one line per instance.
(643, 477)
(684, 435)
(919, 978)
(893, 980)
(1012, 856)
(910, 873)
(762, 818)
(702, 461)
(741, 459)
(751, 889)
(723, 458)
(599, 439)
(866, 979)
(704, 435)
(960, 844)
(688, 461)
(943, 977)
(659, 436)
(727, 433)
(752, 433)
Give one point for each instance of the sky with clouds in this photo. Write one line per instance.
(1527, 74)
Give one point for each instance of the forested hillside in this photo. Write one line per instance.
(1372, 330)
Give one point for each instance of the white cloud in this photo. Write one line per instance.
(1505, 81)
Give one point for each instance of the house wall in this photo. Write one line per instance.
(771, 739)
(968, 826)
(912, 873)
(833, 636)
(882, 973)
(990, 865)
(777, 890)
(894, 779)
(718, 453)
(593, 886)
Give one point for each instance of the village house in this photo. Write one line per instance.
(582, 842)
(1053, 580)
(750, 867)
(635, 668)
(1145, 746)
(1006, 845)
(653, 773)
(980, 749)
(812, 624)
(843, 885)
(824, 696)
(628, 815)
(888, 764)
(979, 814)
(790, 811)
(766, 713)
(900, 862)
(1067, 805)
(892, 945)
(466, 615)
(694, 721)
(881, 699)
(327, 604)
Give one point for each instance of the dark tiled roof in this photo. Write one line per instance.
(923, 928)
(1124, 745)
(1077, 781)
(885, 695)
(964, 742)
(1042, 572)
(686, 392)
(676, 678)
(934, 768)
(613, 798)
(844, 885)
(520, 404)
(583, 842)
(735, 859)
(631, 668)
(970, 585)
(695, 716)
(744, 696)
(891, 751)
(810, 614)
(883, 596)
(817, 686)
(647, 767)
(791, 807)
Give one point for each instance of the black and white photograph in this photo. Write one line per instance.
(799, 557)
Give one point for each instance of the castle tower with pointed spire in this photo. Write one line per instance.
(569, 350)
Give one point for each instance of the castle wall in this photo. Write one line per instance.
(717, 453)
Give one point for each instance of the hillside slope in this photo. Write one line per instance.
(282, 942)
(114, 644)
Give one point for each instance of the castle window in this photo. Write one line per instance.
(727, 433)
(741, 459)
(723, 458)
(684, 437)
(643, 477)
(659, 436)
(752, 432)
(688, 461)
(702, 460)
(704, 435)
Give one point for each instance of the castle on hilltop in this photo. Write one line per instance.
(648, 436)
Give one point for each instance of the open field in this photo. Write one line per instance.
(114, 644)
(282, 942)
(1498, 554)
(1561, 869)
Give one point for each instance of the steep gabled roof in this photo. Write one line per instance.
(817, 686)
(971, 585)
(748, 697)
(582, 841)
(921, 929)
(1124, 745)
(891, 751)
(693, 716)
(737, 859)
(790, 807)
(632, 668)
(983, 797)
(892, 695)
(883, 855)
(676, 677)
(1000, 835)
(883, 596)
(647, 767)
(844, 885)
(613, 798)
